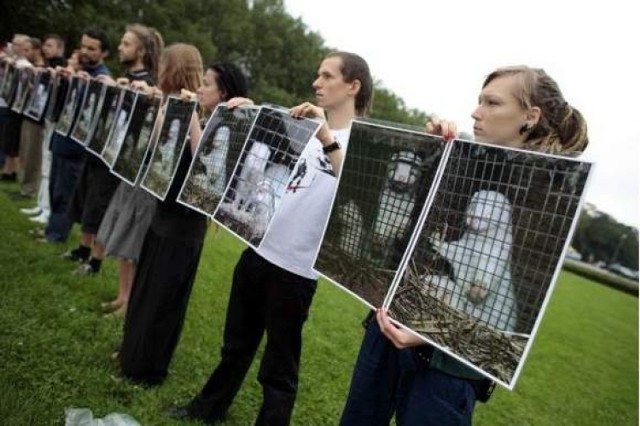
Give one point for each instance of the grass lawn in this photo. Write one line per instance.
(55, 346)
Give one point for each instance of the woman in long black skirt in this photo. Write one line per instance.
(173, 244)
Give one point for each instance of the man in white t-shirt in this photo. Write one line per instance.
(273, 288)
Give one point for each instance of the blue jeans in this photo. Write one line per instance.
(388, 381)
(64, 176)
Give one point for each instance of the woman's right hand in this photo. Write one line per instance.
(437, 126)
(238, 102)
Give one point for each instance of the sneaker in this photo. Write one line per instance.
(9, 177)
(33, 211)
(85, 270)
(73, 256)
(42, 219)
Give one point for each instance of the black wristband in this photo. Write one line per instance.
(331, 147)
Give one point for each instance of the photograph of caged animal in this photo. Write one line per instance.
(481, 262)
(394, 208)
(254, 199)
(213, 162)
(116, 138)
(167, 148)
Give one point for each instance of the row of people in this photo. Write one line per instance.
(272, 290)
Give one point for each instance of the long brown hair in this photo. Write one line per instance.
(152, 43)
(561, 128)
(180, 68)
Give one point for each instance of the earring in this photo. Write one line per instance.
(524, 128)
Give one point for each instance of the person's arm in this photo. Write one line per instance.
(400, 338)
(196, 132)
(324, 135)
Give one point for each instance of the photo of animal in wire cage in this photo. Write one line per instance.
(119, 128)
(384, 183)
(216, 156)
(262, 174)
(9, 82)
(23, 90)
(482, 270)
(171, 142)
(71, 105)
(134, 152)
(39, 96)
(87, 112)
(106, 113)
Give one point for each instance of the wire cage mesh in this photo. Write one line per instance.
(488, 252)
(218, 151)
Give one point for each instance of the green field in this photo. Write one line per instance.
(55, 346)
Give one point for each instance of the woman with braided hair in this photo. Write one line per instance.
(396, 372)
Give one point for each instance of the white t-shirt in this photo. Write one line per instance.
(293, 237)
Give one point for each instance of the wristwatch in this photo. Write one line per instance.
(331, 147)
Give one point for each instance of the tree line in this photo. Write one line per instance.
(278, 52)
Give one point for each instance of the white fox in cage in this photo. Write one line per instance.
(260, 186)
(168, 148)
(481, 261)
(215, 163)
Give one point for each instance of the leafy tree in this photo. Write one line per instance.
(602, 238)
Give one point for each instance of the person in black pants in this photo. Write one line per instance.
(171, 250)
(273, 288)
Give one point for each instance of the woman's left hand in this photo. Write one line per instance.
(400, 338)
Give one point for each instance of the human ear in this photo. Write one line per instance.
(533, 116)
(355, 86)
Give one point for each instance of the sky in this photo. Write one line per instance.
(435, 55)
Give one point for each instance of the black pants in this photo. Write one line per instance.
(263, 298)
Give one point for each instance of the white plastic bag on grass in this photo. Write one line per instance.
(84, 417)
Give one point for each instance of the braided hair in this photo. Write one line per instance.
(561, 128)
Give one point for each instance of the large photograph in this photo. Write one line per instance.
(71, 106)
(216, 156)
(23, 89)
(384, 184)
(119, 127)
(9, 83)
(87, 112)
(37, 102)
(262, 173)
(134, 152)
(59, 88)
(488, 253)
(105, 118)
(169, 146)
